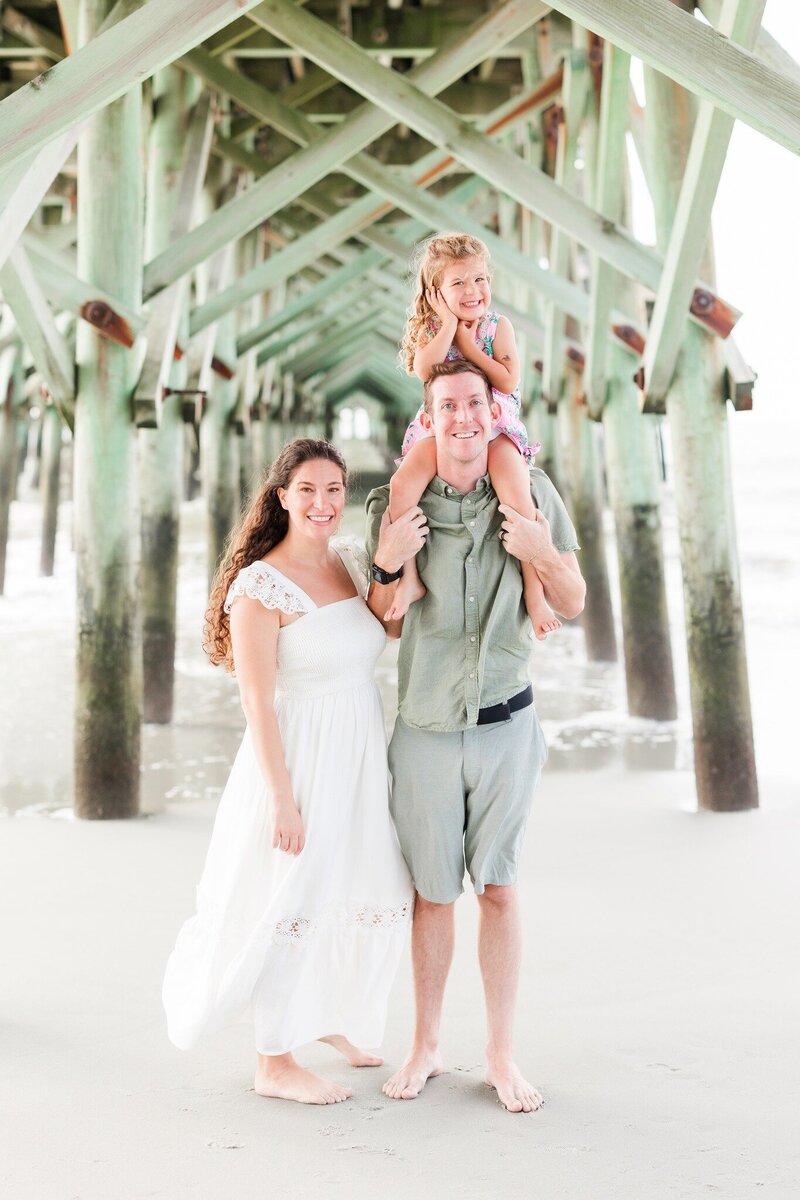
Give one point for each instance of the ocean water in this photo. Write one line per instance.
(581, 704)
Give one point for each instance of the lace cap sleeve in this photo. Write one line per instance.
(258, 582)
(354, 556)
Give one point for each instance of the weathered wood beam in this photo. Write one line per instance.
(766, 47)
(329, 286)
(305, 168)
(400, 96)
(610, 176)
(739, 21)
(37, 327)
(575, 94)
(168, 306)
(32, 32)
(739, 378)
(109, 315)
(28, 182)
(701, 59)
(133, 49)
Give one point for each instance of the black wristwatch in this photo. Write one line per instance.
(381, 576)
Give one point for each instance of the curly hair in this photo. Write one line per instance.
(429, 261)
(262, 525)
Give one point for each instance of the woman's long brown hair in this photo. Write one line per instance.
(261, 527)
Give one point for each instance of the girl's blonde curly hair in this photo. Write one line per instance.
(429, 261)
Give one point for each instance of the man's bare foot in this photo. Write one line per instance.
(409, 590)
(408, 1082)
(513, 1092)
(290, 1081)
(543, 619)
(355, 1056)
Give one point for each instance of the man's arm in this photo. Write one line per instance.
(530, 541)
(389, 546)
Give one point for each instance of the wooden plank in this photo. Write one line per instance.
(168, 306)
(32, 183)
(151, 37)
(610, 175)
(32, 32)
(328, 286)
(433, 120)
(110, 315)
(302, 170)
(700, 59)
(739, 377)
(37, 327)
(576, 91)
(740, 20)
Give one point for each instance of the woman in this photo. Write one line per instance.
(305, 900)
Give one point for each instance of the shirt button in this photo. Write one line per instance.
(472, 524)
(471, 599)
(472, 674)
(472, 639)
(448, 491)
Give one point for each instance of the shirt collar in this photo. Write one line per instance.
(483, 489)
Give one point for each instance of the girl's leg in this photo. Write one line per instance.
(508, 472)
(281, 1077)
(405, 490)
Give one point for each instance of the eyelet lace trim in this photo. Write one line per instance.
(298, 930)
(258, 583)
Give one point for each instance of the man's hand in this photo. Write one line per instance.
(523, 537)
(400, 540)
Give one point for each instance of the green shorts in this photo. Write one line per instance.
(462, 800)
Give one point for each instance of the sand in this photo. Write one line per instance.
(658, 1016)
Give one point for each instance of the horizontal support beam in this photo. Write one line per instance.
(107, 67)
(700, 59)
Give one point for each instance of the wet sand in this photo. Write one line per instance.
(660, 982)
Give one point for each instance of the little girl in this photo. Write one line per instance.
(451, 318)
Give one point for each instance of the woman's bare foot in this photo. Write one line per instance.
(513, 1092)
(281, 1078)
(408, 1082)
(409, 590)
(355, 1056)
(542, 617)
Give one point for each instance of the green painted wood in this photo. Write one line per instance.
(171, 149)
(27, 184)
(580, 457)
(329, 286)
(9, 382)
(188, 148)
(634, 491)
(37, 327)
(721, 719)
(700, 59)
(115, 60)
(39, 36)
(766, 47)
(575, 97)
(108, 666)
(85, 299)
(302, 170)
(740, 21)
(49, 485)
(608, 175)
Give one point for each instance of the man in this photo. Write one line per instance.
(467, 747)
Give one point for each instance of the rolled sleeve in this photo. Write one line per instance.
(376, 505)
(548, 501)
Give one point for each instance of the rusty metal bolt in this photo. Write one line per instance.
(702, 302)
(97, 312)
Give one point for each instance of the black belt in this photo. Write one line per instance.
(503, 711)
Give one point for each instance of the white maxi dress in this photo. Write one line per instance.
(305, 946)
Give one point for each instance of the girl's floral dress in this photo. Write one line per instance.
(508, 422)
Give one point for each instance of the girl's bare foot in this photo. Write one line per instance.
(409, 590)
(281, 1078)
(543, 619)
(355, 1056)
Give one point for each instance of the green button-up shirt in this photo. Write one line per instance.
(467, 644)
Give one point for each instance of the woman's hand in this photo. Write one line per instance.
(287, 827)
(439, 305)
